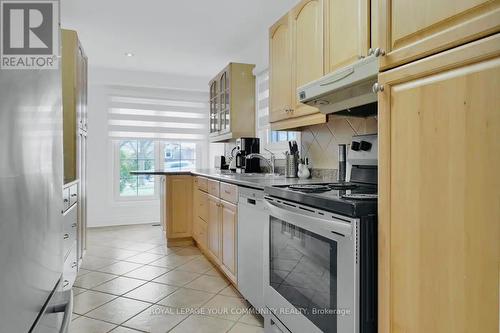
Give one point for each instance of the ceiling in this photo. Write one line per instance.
(196, 37)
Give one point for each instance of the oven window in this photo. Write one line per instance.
(303, 269)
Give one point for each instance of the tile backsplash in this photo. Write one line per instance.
(320, 142)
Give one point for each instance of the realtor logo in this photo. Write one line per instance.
(29, 34)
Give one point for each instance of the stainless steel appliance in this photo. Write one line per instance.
(31, 183)
(247, 146)
(351, 90)
(320, 269)
(252, 219)
(220, 162)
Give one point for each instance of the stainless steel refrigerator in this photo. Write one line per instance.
(31, 181)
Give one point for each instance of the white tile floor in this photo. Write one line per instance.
(131, 282)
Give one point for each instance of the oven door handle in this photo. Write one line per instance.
(331, 226)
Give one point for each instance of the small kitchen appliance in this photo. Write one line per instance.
(220, 162)
(320, 260)
(247, 146)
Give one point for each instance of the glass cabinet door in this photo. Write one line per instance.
(213, 107)
(222, 106)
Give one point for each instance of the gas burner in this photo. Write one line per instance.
(310, 188)
(342, 186)
(360, 196)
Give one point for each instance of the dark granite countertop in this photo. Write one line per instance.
(255, 180)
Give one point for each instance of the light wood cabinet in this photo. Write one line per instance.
(232, 103)
(179, 207)
(411, 30)
(229, 214)
(439, 211)
(214, 227)
(347, 32)
(295, 58)
(74, 95)
(280, 70)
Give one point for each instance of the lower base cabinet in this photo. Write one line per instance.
(229, 225)
(215, 223)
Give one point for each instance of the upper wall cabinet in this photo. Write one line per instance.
(232, 103)
(347, 33)
(296, 58)
(411, 30)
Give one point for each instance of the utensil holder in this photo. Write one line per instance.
(292, 162)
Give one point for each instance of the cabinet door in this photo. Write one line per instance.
(414, 29)
(346, 32)
(214, 226)
(439, 211)
(179, 206)
(307, 50)
(229, 246)
(213, 107)
(280, 70)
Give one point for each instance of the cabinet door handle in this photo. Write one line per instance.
(65, 283)
(378, 52)
(73, 225)
(74, 195)
(73, 265)
(66, 236)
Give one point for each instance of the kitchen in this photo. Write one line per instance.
(246, 166)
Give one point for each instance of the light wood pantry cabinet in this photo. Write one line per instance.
(296, 58)
(214, 228)
(411, 30)
(439, 211)
(74, 94)
(232, 103)
(179, 208)
(347, 32)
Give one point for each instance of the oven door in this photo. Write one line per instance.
(311, 271)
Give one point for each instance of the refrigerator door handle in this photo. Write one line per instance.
(67, 314)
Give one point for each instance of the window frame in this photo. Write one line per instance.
(116, 174)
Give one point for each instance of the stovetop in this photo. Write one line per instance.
(350, 199)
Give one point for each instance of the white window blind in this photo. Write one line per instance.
(163, 114)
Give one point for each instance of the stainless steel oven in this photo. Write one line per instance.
(311, 273)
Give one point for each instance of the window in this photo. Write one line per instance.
(275, 141)
(136, 155)
(179, 156)
(154, 129)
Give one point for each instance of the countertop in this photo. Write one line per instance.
(255, 180)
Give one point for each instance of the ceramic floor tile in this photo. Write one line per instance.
(225, 307)
(145, 258)
(119, 286)
(118, 310)
(147, 272)
(92, 263)
(121, 329)
(74, 316)
(93, 279)
(244, 328)
(90, 300)
(82, 272)
(177, 278)
(89, 325)
(211, 284)
(151, 292)
(163, 250)
(111, 253)
(156, 319)
(186, 298)
(200, 265)
(172, 260)
(214, 272)
(189, 251)
(230, 291)
(120, 267)
(140, 246)
(252, 318)
(203, 324)
(77, 291)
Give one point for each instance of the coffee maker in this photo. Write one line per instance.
(244, 147)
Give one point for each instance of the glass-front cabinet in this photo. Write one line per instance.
(232, 103)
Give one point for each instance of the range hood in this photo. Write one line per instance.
(348, 90)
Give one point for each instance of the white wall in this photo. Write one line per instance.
(103, 209)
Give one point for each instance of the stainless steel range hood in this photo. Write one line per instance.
(346, 89)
